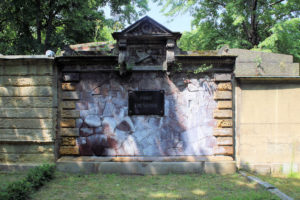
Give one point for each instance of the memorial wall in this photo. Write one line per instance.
(147, 100)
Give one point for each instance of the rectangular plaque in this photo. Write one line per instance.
(146, 102)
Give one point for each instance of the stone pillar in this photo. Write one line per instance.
(223, 114)
(122, 44)
(68, 115)
(170, 51)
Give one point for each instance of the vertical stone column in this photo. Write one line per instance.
(69, 114)
(223, 114)
(122, 45)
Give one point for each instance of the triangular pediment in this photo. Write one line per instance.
(146, 26)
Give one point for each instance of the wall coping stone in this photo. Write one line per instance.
(15, 57)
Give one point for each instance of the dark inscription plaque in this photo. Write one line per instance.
(146, 102)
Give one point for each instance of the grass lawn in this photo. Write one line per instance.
(99, 186)
(8, 177)
(290, 185)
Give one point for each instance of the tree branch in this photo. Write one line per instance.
(277, 2)
(218, 3)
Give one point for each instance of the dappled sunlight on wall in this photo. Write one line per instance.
(27, 110)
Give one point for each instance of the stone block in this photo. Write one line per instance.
(77, 167)
(26, 135)
(69, 132)
(18, 69)
(224, 86)
(223, 132)
(224, 141)
(159, 168)
(26, 67)
(225, 167)
(25, 112)
(223, 150)
(224, 104)
(68, 141)
(68, 104)
(25, 81)
(26, 102)
(224, 123)
(120, 168)
(69, 150)
(245, 55)
(68, 86)
(150, 168)
(70, 113)
(267, 69)
(27, 158)
(221, 95)
(23, 167)
(93, 121)
(94, 165)
(38, 91)
(68, 123)
(263, 169)
(26, 148)
(26, 123)
(71, 77)
(71, 95)
(222, 114)
(223, 77)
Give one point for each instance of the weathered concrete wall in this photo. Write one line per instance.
(256, 63)
(27, 109)
(268, 126)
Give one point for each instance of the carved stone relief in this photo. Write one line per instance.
(146, 55)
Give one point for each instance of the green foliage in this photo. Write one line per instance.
(33, 26)
(202, 68)
(239, 24)
(19, 190)
(36, 177)
(285, 38)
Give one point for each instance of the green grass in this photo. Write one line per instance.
(99, 186)
(9, 177)
(289, 184)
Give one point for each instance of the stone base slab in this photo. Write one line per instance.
(270, 168)
(17, 166)
(94, 165)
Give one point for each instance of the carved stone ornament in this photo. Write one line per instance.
(146, 55)
(146, 45)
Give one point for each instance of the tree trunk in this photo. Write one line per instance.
(38, 24)
(49, 27)
(254, 38)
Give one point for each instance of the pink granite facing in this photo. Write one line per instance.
(107, 130)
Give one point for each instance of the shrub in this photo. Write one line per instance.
(36, 177)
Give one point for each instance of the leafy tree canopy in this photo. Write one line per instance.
(33, 26)
(240, 24)
(285, 38)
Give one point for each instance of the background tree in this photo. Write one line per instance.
(239, 23)
(33, 26)
(285, 38)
